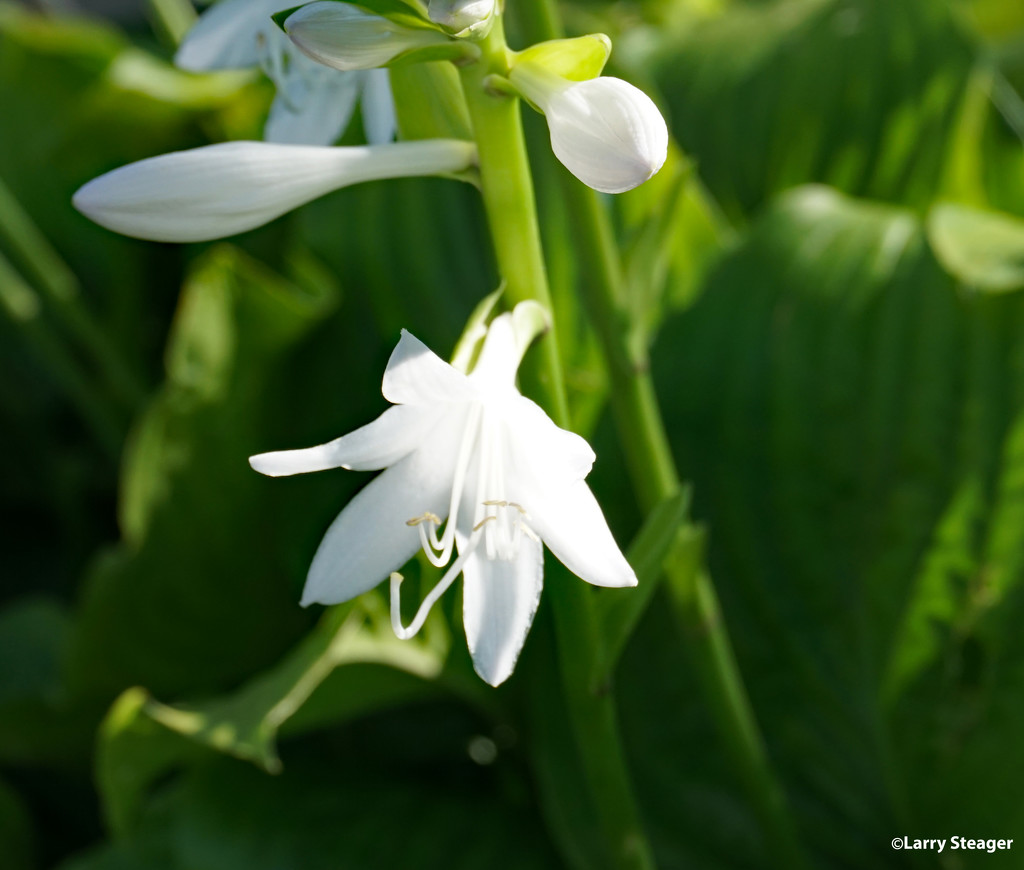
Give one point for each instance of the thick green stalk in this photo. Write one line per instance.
(655, 478)
(508, 195)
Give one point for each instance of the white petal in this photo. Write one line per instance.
(224, 189)
(607, 133)
(318, 114)
(540, 454)
(507, 339)
(570, 522)
(389, 438)
(415, 375)
(346, 37)
(371, 536)
(499, 357)
(225, 36)
(378, 107)
(499, 601)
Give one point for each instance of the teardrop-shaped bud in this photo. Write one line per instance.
(606, 132)
(228, 188)
(348, 37)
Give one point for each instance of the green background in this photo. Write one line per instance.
(829, 272)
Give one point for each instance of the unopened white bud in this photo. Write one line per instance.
(606, 132)
(228, 188)
(346, 37)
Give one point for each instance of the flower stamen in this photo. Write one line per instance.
(454, 570)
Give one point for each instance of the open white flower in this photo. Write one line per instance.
(472, 467)
(606, 132)
(228, 188)
(314, 104)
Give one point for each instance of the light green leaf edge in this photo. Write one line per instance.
(984, 249)
(142, 739)
(665, 534)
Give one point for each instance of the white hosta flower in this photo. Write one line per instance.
(463, 17)
(473, 468)
(314, 104)
(606, 132)
(347, 37)
(224, 189)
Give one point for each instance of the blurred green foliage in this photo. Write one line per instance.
(831, 277)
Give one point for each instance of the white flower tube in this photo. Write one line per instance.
(346, 37)
(606, 132)
(224, 189)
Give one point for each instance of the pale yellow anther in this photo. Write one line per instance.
(428, 517)
(483, 523)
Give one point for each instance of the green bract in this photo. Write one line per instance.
(576, 59)
(349, 36)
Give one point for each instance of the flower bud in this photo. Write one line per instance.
(606, 132)
(228, 188)
(462, 17)
(347, 37)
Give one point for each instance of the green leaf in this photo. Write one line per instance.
(190, 506)
(577, 59)
(37, 724)
(852, 425)
(664, 534)
(143, 739)
(859, 94)
(983, 249)
(15, 831)
(331, 810)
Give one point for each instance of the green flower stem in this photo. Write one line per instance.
(507, 188)
(655, 478)
(511, 211)
(60, 290)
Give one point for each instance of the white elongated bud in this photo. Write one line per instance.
(462, 17)
(228, 188)
(606, 132)
(347, 37)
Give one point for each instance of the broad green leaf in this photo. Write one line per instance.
(333, 809)
(142, 739)
(37, 723)
(197, 594)
(851, 422)
(664, 534)
(983, 249)
(859, 94)
(15, 831)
